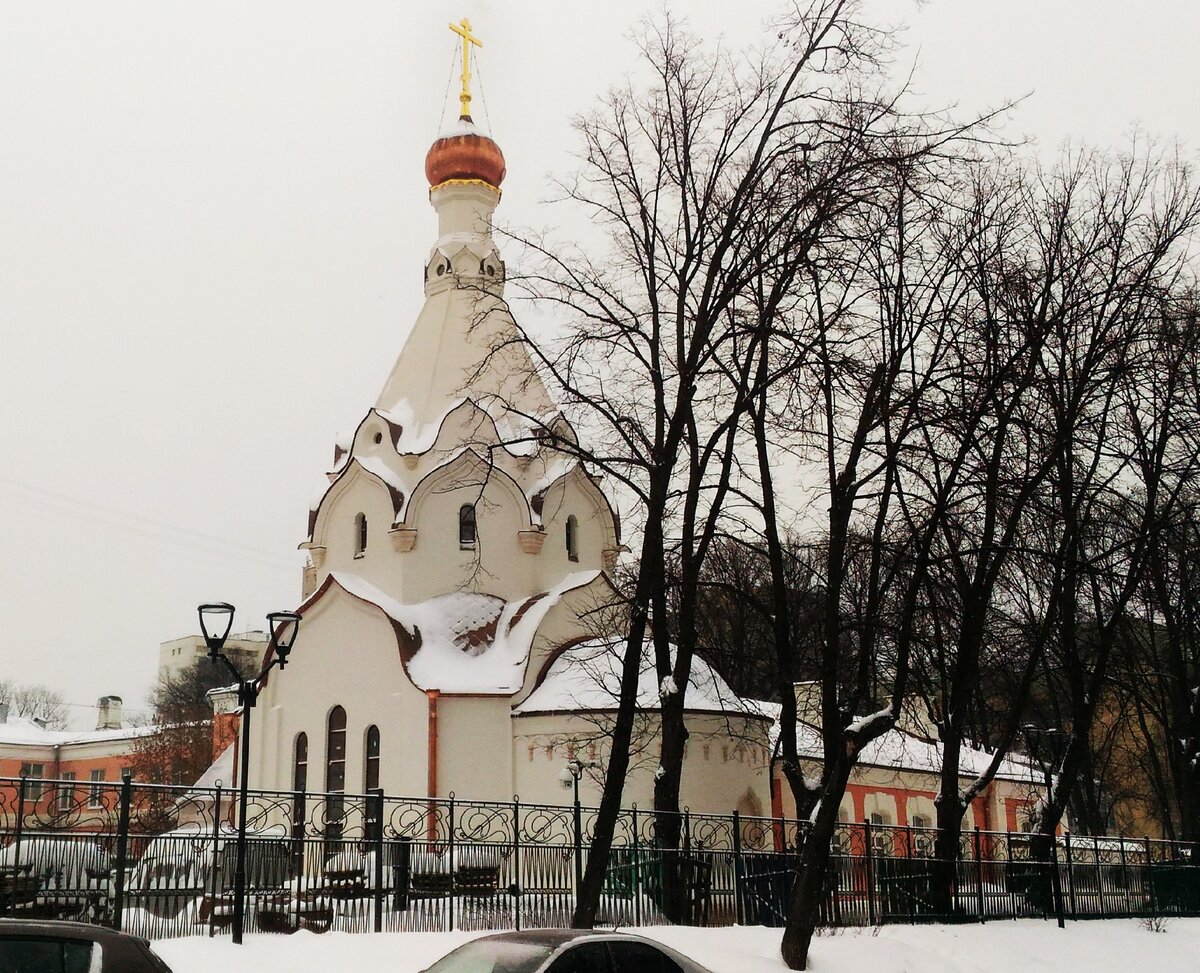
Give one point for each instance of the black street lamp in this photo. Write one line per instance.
(1049, 747)
(216, 621)
(571, 774)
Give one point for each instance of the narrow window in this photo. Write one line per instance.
(466, 525)
(335, 751)
(572, 538)
(299, 801)
(360, 535)
(66, 791)
(371, 769)
(300, 766)
(96, 791)
(335, 771)
(33, 786)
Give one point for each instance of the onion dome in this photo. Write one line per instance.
(463, 155)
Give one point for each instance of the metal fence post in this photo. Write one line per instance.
(577, 818)
(1099, 871)
(375, 798)
(979, 875)
(20, 828)
(515, 888)
(636, 879)
(1125, 876)
(450, 862)
(215, 868)
(122, 850)
(1070, 872)
(1149, 872)
(870, 850)
(1056, 882)
(738, 908)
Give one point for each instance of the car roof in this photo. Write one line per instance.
(59, 927)
(557, 937)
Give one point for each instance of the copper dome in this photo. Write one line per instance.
(464, 154)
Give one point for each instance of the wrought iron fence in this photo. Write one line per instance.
(159, 861)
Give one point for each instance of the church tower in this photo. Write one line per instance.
(454, 548)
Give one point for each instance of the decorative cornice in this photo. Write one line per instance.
(531, 540)
(404, 539)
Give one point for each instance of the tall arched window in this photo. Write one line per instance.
(572, 538)
(299, 785)
(335, 770)
(466, 525)
(300, 763)
(360, 535)
(371, 766)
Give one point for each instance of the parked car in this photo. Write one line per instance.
(47, 946)
(564, 951)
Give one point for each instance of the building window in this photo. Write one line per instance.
(96, 791)
(335, 771)
(360, 535)
(34, 788)
(572, 538)
(466, 525)
(66, 790)
(920, 821)
(371, 767)
(300, 765)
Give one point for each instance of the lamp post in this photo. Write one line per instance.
(571, 774)
(1050, 742)
(216, 620)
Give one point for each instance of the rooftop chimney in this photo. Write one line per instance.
(108, 713)
(808, 702)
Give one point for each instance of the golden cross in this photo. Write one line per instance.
(463, 30)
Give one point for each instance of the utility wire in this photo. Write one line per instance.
(138, 525)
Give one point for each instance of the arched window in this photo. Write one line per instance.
(335, 750)
(371, 767)
(299, 785)
(360, 535)
(335, 771)
(466, 525)
(300, 763)
(572, 538)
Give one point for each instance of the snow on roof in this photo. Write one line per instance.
(220, 771)
(587, 676)
(467, 642)
(906, 751)
(22, 730)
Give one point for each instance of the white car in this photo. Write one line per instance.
(564, 951)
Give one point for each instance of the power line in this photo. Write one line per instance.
(139, 525)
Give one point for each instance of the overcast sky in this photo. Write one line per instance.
(213, 219)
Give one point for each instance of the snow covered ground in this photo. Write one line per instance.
(1024, 946)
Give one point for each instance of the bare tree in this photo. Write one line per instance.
(36, 702)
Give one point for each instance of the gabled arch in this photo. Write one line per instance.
(590, 489)
(469, 468)
(353, 472)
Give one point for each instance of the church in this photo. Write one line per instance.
(460, 633)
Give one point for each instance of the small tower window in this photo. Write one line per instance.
(360, 535)
(572, 538)
(466, 525)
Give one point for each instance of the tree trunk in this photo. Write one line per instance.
(808, 892)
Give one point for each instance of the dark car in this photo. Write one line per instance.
(564, 951)
(46, 946)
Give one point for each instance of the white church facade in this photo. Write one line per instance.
(458, 626)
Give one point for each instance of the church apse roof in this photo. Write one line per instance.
(464, 641)
(587, 677)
